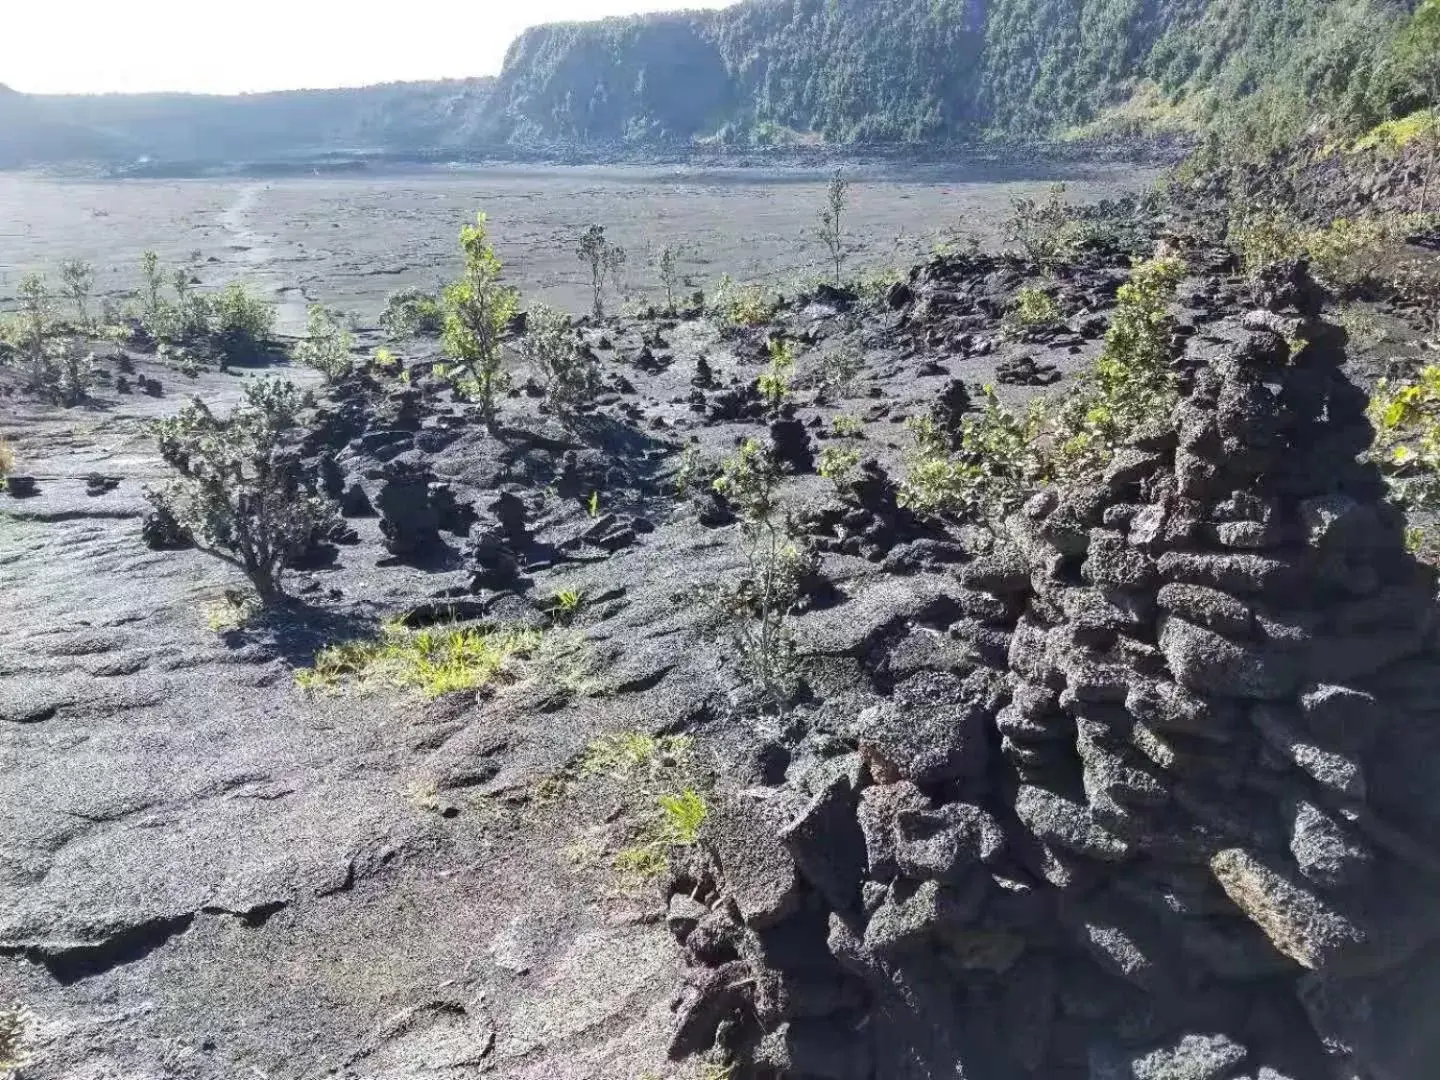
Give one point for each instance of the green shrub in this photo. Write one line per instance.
(412, 313)
(1406, 418)
(839, 371)
(847, 427)
(831, 230)
(478, 312)
(774, 382)
(1344, 253)
(1034, 309)
(838, 465)
(241, 323)
(36, 320)
(328, 347)
(994, 467)
(1131, 386)
(1004, 455)
(17, 1031)
(672, 279)
(1046, 232)
(741, 305)
(570, 376)
(241, 492)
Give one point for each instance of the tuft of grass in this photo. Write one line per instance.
(675, 823)
(7, 458)
(592, 505)
(681, 817)
(657, 774)
(434, 660)
(564, 660)
(564, 604)
(631, 755)
(233, 611)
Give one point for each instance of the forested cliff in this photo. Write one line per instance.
(835, 71)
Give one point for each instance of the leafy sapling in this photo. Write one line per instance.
(78, 278)
(478, 312)
(760, 611)
(605, 260)
(831, 231)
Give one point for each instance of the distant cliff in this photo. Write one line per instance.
(188, 127)
(786, 71)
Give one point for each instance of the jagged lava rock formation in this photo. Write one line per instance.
(1176, 822)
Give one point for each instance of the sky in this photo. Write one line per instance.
(205, 46)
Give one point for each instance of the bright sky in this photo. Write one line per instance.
(95, 46)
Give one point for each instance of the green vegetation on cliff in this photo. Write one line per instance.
(834, 71)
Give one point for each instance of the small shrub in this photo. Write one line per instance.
(1046, 232)
(152, 301)
(758, 612)
(478, 312)
(605, 260)
(774, 382)
(1406, 418)
(241, 492)
(847, 427)
(838, 464)
(1003, 455)
(1131, 385)
(386, 363)
(433, 660)
(412, 313)
(1034, 309)
(7, 458)
(36, 320)
(688, 471)
(741, 305)
(570, 376)
(839, 371)
(328, 347)
(1345, 253)
(241, 323)
(991, 472)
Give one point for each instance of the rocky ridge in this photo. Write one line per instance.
(1162, 822)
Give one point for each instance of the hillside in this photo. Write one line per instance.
(925, 70)
(394, 116)
(780, 71)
